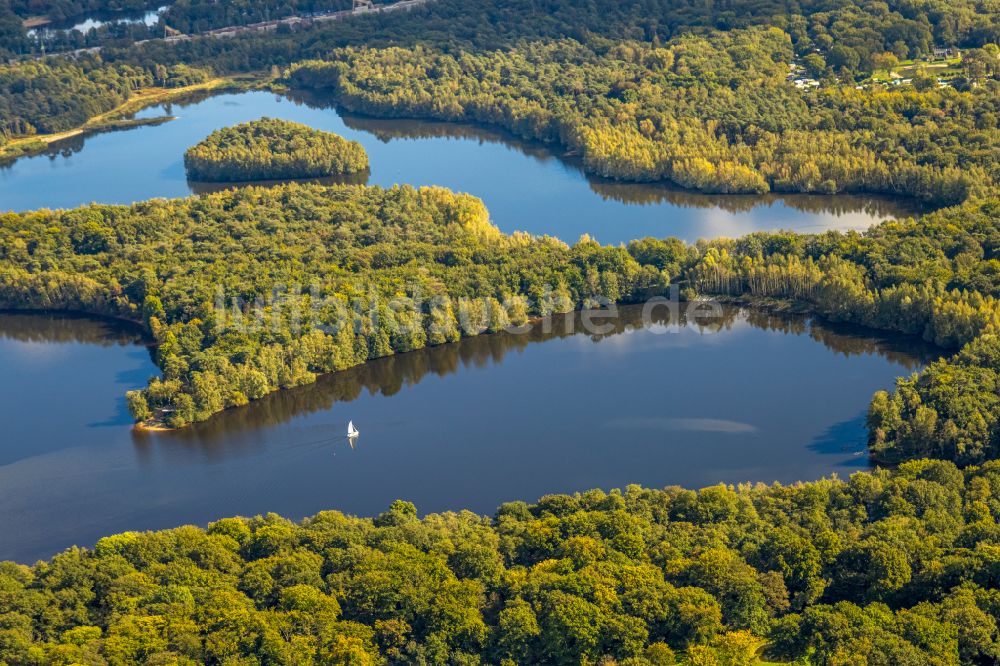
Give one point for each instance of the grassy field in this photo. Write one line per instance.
(907, 69)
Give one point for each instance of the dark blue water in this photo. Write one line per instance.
(471, 425)
(527, 187)
(464, 426)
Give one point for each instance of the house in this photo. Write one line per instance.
(943, 53)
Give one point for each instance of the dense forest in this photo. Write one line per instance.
(366, 271)
(270, 149)
(67, 9)
(712, 113)
(46, 97)
(887, 568)
(850, 38)
(847, 34)
(253, 290)
(250, 291)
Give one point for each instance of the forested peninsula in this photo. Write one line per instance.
(669, 92)
(272, 149)
(711, 112)
(253, 290)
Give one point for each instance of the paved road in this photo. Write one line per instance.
(316, 18)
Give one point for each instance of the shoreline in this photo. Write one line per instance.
(28, 146)
(766, 306)
(78, 313)
(572, 156)
(157, 426)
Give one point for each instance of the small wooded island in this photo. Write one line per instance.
(272, 149)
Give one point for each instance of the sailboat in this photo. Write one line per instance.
(351, 430)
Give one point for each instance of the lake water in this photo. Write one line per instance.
(470, 425)
(525, 185)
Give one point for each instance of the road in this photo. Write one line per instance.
(305, 20)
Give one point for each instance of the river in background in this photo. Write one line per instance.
(527, 186)
(462, 426)
(84, 24)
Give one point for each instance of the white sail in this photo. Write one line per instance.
(351, 430)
